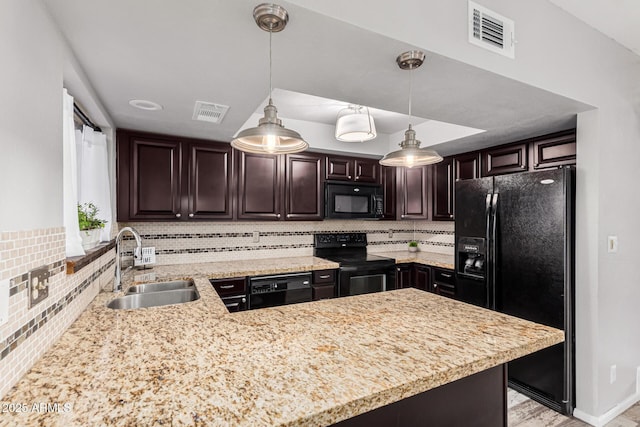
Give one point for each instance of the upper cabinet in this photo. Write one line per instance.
(554, 150)
(443, 189)
(413, 200)
(466, 166)
(389, 190)
(274, 187)
(504, 159)
(353, 169)
(161, 177)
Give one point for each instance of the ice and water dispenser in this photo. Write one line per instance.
(471, 257)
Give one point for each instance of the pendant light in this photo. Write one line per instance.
(410, 154)
(270, 137)
(354, 125)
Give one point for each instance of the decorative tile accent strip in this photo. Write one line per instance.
(24, 332)
(19, 283)
(277, 234)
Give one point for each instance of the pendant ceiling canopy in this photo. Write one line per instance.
(410, 154)
(270, 136)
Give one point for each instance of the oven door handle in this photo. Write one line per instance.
(364, 269)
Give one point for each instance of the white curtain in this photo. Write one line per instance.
(93, 174)
(70, 192)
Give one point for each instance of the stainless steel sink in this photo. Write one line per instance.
(160, 286)
(154, 299)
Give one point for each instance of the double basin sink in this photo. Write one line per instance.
(156, 294)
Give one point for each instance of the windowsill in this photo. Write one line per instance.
(76, 263)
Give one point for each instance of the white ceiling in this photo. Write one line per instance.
(618, 19)
(175, 53)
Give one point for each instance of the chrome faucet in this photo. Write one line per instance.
(117, 285)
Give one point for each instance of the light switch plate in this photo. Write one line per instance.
(4, 301)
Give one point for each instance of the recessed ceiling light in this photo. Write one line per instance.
(145, 105)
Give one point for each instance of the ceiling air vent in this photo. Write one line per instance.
(209, 112)
(491, 31)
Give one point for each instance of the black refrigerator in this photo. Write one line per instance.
(514, 254)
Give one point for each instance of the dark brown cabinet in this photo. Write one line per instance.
(444, 282)
(422, 277)
(504, 159)
(259, 186)
(353, 169)
(162, 177)
(466, 166)
(443, 190)
(554, 150)
(274, 187)
(389, 190)
(233, 292)
(413, 201)
(403, 276)
(304, 195)
(323, 284)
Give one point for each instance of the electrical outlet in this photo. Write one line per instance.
(612, 244)
(147, 256)
(612, 374)
(391, 234)
(256, 237)
(4, 301)
(38, 285)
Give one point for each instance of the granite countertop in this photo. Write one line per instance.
(308, 364)
(427, 258)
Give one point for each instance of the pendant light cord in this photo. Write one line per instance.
(410, 92)
(270, 66)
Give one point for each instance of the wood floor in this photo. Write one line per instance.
(524, 412)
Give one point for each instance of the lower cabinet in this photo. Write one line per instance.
(444, 282)
(233, 292)
(432, 279)
(323, 284)
(403, 276)
(422, 277)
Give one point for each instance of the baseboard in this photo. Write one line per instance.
(609, 415)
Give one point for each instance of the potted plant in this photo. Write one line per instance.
(90, 225)
(413, 246)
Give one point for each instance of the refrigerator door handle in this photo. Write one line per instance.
(494, 254)
(489, 262)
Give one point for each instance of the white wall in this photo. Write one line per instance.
(30, 118)
(559, 53)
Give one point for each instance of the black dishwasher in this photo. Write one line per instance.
(272, 291)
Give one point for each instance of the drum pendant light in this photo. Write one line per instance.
(354, 125)
(410, 154)
(270, 136)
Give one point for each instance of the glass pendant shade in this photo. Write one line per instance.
(410, 154)
(353, 125)
(269, 136)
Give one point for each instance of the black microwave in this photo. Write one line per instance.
(352, 201)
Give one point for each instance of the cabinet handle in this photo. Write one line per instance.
(349, 176)
(402, 216)
(435, 286)
(277, 215)
(178, 215)
(226, 287)
(446, 275)
(288, 215)
(190, 215)
(325, 276)
(397, 269)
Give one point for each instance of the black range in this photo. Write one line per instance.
(360, 272)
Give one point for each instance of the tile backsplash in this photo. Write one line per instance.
(191, 242)
(30, 332)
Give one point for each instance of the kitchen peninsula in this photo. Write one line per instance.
(307, 364)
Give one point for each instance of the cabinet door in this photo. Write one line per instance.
(259, 186)
(512, 158)
(403, 276)
(155, 177)
(467, 166)
(340, 168)
(304, 195)
(367, 170)
(210, 181)
(422, 277)
(389, 191)
(444, 282)
(555, 150)
(443, 190)
(413, 203)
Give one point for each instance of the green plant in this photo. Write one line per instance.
(87, 217)
(413, 244)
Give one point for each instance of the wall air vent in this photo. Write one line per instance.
(491, 31)
(209, 112)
